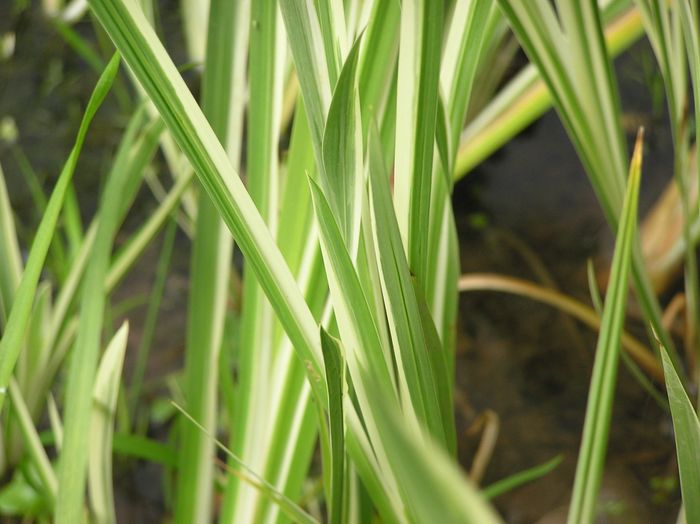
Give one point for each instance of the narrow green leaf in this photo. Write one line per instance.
(342, 151)
(377, 64)
(33, 444)
(306, 43)
(35, 356)
(690, 15)
(442, 142)
(195, 18)
(387, 504)
(10, 344)
(417, 382)
(210, 265)
(289, 447)
(356, 322)
(433, 489)
(291, 510)
(333, 360)
(596, 428)
(135, 446)
(141, 154)
(331, 17)
(520, 478)
(440, 369)
(466, 42)
(687, 434)
(255, 360)
(11, 268)
(105, 395)
(132, 34)
(83, 362)
(56, 423)
(464, 48)
(295, 195)
(664, 28)
(416, 114)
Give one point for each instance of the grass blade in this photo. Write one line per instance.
(256, 356)
(132, 34)
(377, 63)
(332, 356)
(290, 415)
(342, 152)
(306, 42)
(433, 489)
(83, 362)
(105, 395)
(416, 381)
(464, 48)
(10, 344)
(33, 443)
(416, 111)
(11, 268)
(665, 32)
(687, 433)
(441, 371)
(210, 265)
(331, 17)
(522, 477)
(130, 445)
(292, 510)
(356, 321)
(591, 461)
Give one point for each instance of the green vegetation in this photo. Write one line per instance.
(336, 337)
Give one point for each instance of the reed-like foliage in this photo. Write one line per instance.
(344, 311)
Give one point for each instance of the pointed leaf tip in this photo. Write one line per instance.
(638, 149)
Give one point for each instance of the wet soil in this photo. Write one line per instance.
(530, 212)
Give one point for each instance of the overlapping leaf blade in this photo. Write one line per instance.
(150, 63)
(591, 459)
(417, 376)
(211, 262)
(10, 344)
(105, 394)
(687, 433)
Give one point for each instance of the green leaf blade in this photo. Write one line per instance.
(591, 459)
(10, 344)
(342, 150)
(333, 359)
(131, 32)
(687, 434)
(417, 107)
(105, 395)
(409, 341)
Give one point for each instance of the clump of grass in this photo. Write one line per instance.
(345, 336)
